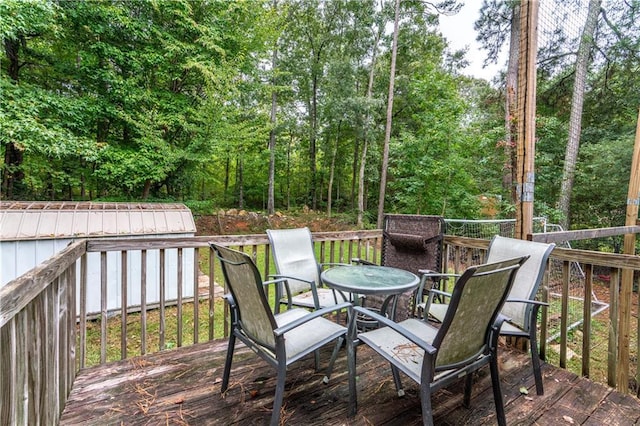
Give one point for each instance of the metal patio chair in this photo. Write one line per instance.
(296, 263)
(278, 339)
(521, 308)
(435, 357)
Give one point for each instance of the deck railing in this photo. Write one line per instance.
(47, 332)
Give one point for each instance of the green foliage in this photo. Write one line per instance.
(602, 179)
(171, 99)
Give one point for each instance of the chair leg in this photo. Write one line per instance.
(332, 361)
(351, 369)
(497, 391)
(535, 362)
(468, 383)
(227, 362)
(316, 357)
(396, 379)
(425, 401)
(277, 400)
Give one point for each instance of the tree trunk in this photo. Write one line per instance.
(387, 133)
(332, 169)
(227, 171)
(272, 137)
(510, 109)
(365, 132)
(313, 117)
(289, 148)
(146, 190)
(577, 101)
(240, 181)
(12, 173)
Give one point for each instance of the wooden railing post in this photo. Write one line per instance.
(626, 291)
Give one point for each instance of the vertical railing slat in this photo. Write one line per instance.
(8, 387)
(179, 280)
(564, 316)
(124, 288)
(83, 311)
(103, 307)
(163, 280)
(143, 302)
(586, 315)
(196, 296)
(612, 352)
(210, 320)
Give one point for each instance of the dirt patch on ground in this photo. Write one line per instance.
(240, 222)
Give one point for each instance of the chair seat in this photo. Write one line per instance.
(436, 310)
(397, 348)
(326, 297)
(512, 330)
(306, 337)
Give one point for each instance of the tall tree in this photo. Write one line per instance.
(387, 132)
(498, 23)
(577, 101)
(273, 122)
(366, 131)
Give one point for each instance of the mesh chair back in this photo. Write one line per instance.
(294, 256)
(477, 298)
(243, 279)
(529, 276)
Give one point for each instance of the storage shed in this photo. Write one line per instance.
(31, 232)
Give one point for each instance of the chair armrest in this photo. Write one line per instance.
(394, 326)
(440, 292)
(310, 316)
(434, 274)
(280, 279)
(229, 299)
(322, 265)
(285, 277)
(362, 261)
(274, 281)
(432, 293)
(233, 307)
(501, 318)
(528, 301)
(495, 329)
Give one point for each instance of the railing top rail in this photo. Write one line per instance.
(614, 260)
(203, 241)
(582, 234)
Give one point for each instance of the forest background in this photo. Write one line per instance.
(282, 104)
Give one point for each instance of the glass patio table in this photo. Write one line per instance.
(371, 279)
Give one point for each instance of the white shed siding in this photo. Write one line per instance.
(32, 232)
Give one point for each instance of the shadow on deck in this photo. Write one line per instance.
(182, 387)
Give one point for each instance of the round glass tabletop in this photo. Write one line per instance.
(368, 279)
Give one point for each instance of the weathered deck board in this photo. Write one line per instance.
(182, 387)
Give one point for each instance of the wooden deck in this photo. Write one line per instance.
(182, 386)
